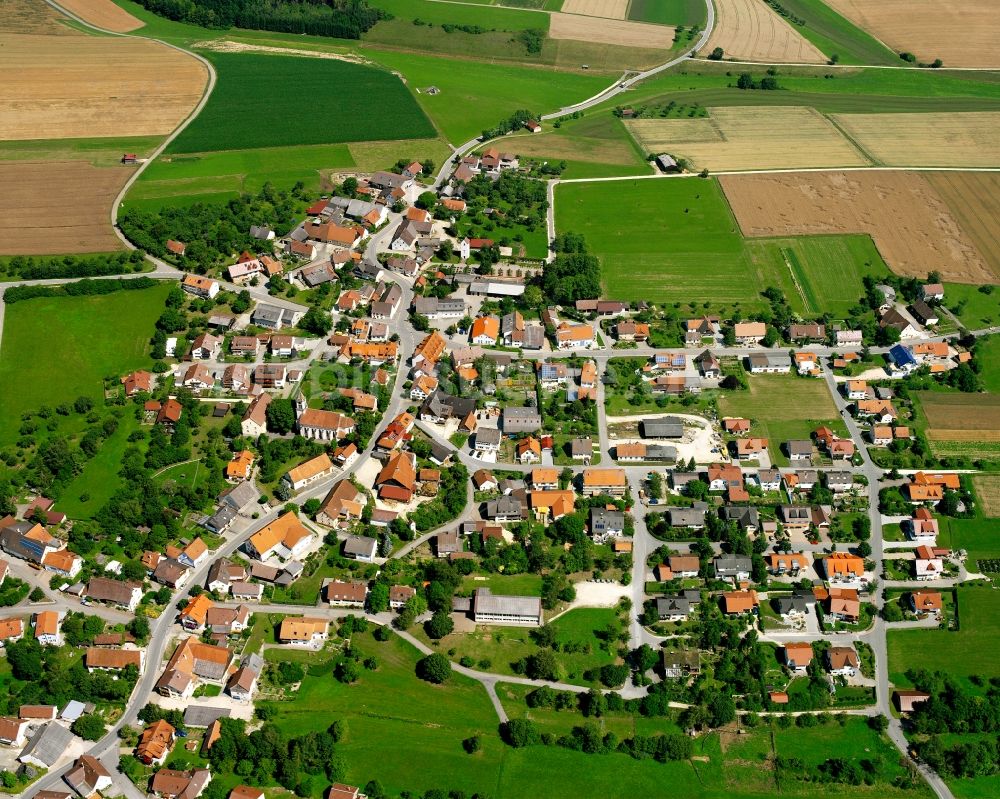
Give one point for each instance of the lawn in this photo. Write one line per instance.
(973, 649)
(503, 646)
(522, 584)
(668, 12)
(275, 101)
(679, 240)
(392, 705)
(979, 537)
(96, 336)
(782, 407)
(833, 34)
(988, 353)
(188, 475)
(560, 722)
(975, 309)
(475, 96)
(99, 480)
(855, 741)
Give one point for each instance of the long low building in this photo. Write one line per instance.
(490, 608)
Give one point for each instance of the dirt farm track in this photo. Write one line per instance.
(73, 197)
(914, 229)
(97, 86)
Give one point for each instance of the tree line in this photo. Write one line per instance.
(343, 19)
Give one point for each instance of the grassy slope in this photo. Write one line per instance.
(57, 349)
(475, 96)
(679, 240)
(99, 479)
(254, 91)
(860, 90)
(395, 721)
(594, 146)
(832, 33)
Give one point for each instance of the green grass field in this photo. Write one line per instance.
(59, 348)
(475, 96)
(989, 362)
(99, 480)
(783, 407)
(833, 34)
(527, 584)
(973, 649)
(975, 309)
(979, 536)
(668, 12)
(843, 91)
(278, 101)
(102, 152)
(395, 721)
(187, 177)
(824, 272)
(679, 240)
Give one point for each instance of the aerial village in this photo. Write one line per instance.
(445, 429)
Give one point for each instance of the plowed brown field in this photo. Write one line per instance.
(974, 200)
(913, 228)
(58, 207)
(103, 14)
(750, 30)
(961, 33)
(89, 86)
(610, 31)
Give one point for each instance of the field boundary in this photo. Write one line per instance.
(209, 87)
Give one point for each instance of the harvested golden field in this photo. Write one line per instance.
(974, 200)
(58, 207)
(33, 16)
(962, 33)
(961, 417)
(988, 491)
(749, 138)
(610, 31)
(749, 30)
(91, 86)
(103, 14)
(913, 228)
(949, 140)
(609, 9)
